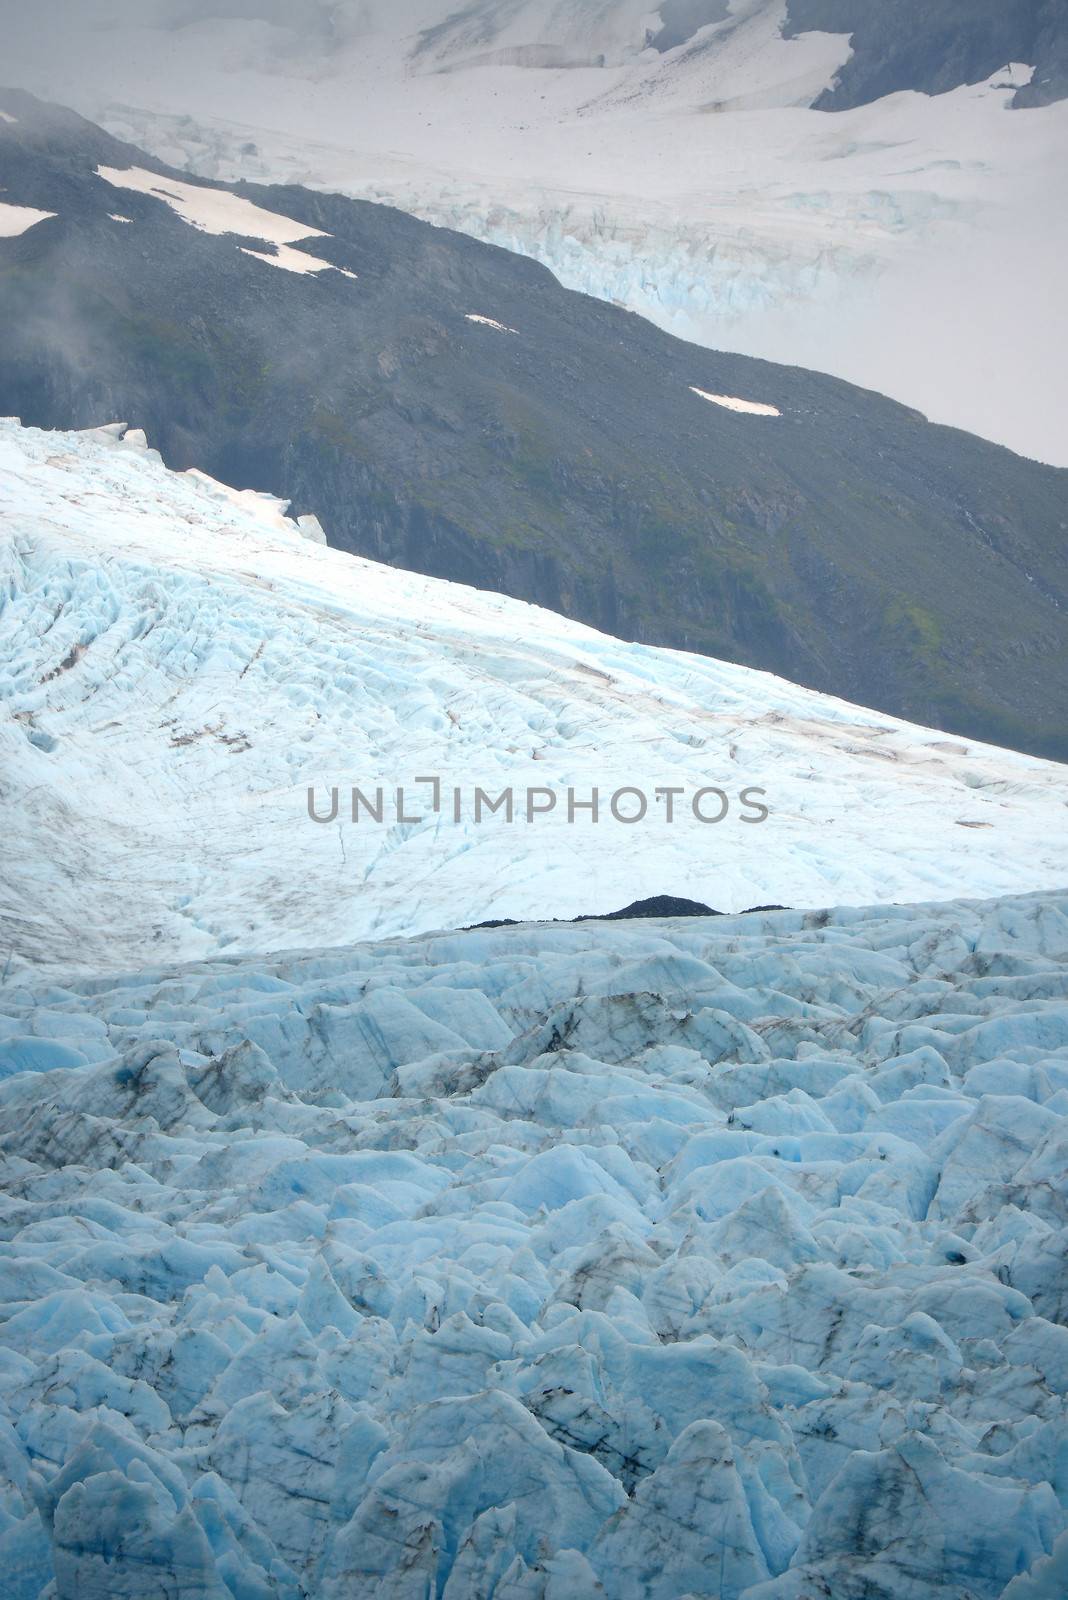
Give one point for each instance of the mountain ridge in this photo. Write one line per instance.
(845, 543)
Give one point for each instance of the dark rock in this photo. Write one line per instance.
(658, 905)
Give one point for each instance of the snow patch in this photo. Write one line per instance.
(291, 260)
(5, 116)
(15, 220)
(730, 402)
(489, 322)
(217, 212)
(211, 210)
(116, 216)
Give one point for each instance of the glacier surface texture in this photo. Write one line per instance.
(178, 666)
(717, 1257)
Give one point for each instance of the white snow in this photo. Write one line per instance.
(211, 210)
(116, 216)
(179, 665)
(5, 116)
(489, 322)
(730, 402)
(15, 220)
(218, 212)
(717, 1258)
(290, 260)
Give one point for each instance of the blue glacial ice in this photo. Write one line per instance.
(714, 1258)
(179, 667)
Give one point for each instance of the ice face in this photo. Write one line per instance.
(715, 1257)
(181, 662)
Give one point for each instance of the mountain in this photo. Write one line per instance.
(680, 161)
(448, 407)
(883, 49)
(934, 48)
(180, 665)
(717, 1257)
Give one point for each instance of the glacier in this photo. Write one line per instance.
(350, 1250)
(345, 1255)
(182, 664)
(702, 1257)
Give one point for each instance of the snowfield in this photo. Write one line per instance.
(717, 1257)
(15, 220)
(215, 211)
(211, 210)
(180, 664)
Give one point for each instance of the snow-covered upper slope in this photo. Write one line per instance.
(179, 666)
(693, 184)
(621, 1261)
